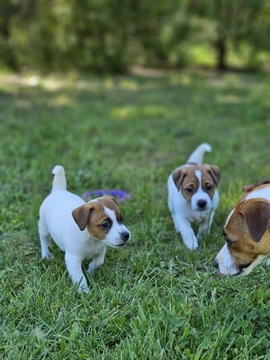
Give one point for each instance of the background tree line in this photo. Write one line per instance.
(111, 35)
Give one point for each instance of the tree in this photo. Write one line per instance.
(112, 35)
(232, 21)
(7, 11)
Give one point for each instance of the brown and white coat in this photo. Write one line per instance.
(193, 197)
(247, 232)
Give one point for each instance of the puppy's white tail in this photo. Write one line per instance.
(198, 154)
(59, 180)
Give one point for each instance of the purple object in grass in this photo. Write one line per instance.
(121, 195)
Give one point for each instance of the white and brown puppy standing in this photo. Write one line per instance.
(82, 230)
(247, 232)
(193, 197)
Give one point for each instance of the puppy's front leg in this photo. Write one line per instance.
(183, 226)
(97, 261)
(74, 267)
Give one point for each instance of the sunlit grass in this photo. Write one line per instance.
(155, 299)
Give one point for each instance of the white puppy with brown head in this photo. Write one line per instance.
(82, 230)
(247, 232)
(193, 197)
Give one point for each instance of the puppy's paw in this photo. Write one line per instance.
(82, 288)
(47, 255)
(194, 246)
(191, 243)
(91, 268)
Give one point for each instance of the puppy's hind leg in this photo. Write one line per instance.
(205, 226)
(203, 229)
(210, 220)
(45, 240)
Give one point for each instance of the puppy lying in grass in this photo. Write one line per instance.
(82, 230)
(247, 232)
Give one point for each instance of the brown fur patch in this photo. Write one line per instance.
(93, 216)
(259, 184)
(190, 184)
(110, 202)
(247, 231)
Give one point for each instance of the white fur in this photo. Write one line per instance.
(230, 215)
(56, 222)
(200, 195)
(260, 193)
(226, 265)
(224, 260)
(198, 154)
(184, 213)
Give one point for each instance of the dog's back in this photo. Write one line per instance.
(59, 205)
(60, 201)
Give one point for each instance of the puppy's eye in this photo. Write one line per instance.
(106, 225)
(189, 189)
(208, 187)
(229, 242)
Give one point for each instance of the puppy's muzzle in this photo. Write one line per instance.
(201, 204)
(125, 236)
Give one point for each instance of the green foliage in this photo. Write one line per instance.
(232, 23)
(155, 299)
(111, 36)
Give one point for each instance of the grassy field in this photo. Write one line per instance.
(154, 299)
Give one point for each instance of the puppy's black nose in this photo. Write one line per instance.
(215, 264)
(201, 204)
(125, 235)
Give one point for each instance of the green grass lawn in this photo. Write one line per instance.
(155, 299)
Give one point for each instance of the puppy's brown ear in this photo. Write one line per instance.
(257, 216)
(110, 197)
(214, 171)
(250, 187)
(82, 214)
(178, 177)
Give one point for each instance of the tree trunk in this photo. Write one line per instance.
(221, 53)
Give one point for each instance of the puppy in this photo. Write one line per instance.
(82, 230)
(193, 197)
(247, 232)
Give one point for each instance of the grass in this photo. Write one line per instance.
(155, 299)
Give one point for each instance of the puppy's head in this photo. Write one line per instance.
(247, 236)
(103, 220)
(197, 184)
